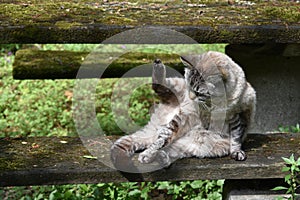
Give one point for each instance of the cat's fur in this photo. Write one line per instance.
(181, 125)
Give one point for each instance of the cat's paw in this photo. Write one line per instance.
(146, 156)
(239, 155)
(163, 159)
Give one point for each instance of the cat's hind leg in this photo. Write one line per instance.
(196, 143)
(166, 135)
(237, 128)
(149, 155)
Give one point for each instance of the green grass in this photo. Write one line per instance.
(195, 190)
(44, 108)
(34, 108)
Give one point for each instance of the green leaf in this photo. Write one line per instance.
(101, 184)
(293, 167)
(290, 189)
(163, 185)
(279, 188)
(196, 184)
(298, 162)
(287, 178)
(134, 192)
(184, 184)
(220, 182)
(287, 160)
(285, 169)
(53, 195)
(68, 194)
(144, 192)
(84, 187)
(292, 158)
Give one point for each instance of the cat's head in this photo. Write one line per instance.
(204, 78)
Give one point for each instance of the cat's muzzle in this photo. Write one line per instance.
(204, 101)
(199, 98)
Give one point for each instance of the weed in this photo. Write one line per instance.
(292, 179)
(290, 129)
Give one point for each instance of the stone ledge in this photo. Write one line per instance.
(212, 22)
(48, 160)
(36, 64)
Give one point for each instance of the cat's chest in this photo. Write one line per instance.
(205, 118)
(166, 113)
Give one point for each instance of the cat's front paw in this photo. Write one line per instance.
(147, 156)
(239, 155)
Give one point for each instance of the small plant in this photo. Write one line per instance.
(292, 179)
(290, 129)
(296, 128)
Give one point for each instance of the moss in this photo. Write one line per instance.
(65, 64)
(284, 14)
(67, 25)
(66, 14)
(226, 33)
(88, 22)
(10, 164)
(38, 152)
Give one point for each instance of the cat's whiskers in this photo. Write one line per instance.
(185, 104)
(213, 106)
(204, 106)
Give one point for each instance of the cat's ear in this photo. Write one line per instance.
(188, 61)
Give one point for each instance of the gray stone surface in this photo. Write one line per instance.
(54, 162)
(274, 72)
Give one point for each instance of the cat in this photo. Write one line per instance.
(181, 125)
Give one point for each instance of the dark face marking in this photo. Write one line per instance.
(198, 87)
(205, 80)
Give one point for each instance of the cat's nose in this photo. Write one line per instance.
(157, 61)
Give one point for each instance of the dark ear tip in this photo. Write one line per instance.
(182, 57)
(157, 61)
(186, 61)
